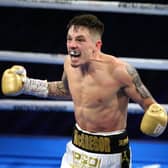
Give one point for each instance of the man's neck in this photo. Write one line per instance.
(90, 66)
(85, 68)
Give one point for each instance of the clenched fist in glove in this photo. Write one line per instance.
(154, 121)
(15, 82)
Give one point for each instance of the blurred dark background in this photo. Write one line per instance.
(44, 31)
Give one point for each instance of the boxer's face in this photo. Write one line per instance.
(81, 45)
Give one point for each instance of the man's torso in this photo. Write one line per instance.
(99, 100)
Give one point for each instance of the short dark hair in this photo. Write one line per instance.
(87, 20)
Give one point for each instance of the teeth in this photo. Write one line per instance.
(74, 53)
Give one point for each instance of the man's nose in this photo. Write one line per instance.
(73, 44)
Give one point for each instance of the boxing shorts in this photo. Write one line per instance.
(97, 150)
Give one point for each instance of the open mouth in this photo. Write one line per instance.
(74, 53)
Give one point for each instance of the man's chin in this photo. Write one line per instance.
(75, 65)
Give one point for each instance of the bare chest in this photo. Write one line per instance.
(98, 87)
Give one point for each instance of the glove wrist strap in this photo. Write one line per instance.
(35, 87)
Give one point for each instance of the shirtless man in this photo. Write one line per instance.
(100, 86)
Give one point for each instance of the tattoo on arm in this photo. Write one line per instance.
(59, 88)
(141, 89)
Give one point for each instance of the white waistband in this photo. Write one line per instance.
(100, 133)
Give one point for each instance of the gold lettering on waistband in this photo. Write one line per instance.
(123, 142)
(92, 142)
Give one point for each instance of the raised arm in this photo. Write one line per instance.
(16, 82)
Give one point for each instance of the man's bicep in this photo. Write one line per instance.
(135, 88)
(59, 88)
(56, 89)
(137, 82)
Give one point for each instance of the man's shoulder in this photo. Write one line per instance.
(113, 58)
(120, 69)
(115, 62)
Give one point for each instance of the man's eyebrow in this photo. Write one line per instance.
(80, 36)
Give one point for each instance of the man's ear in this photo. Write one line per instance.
(99, 44)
